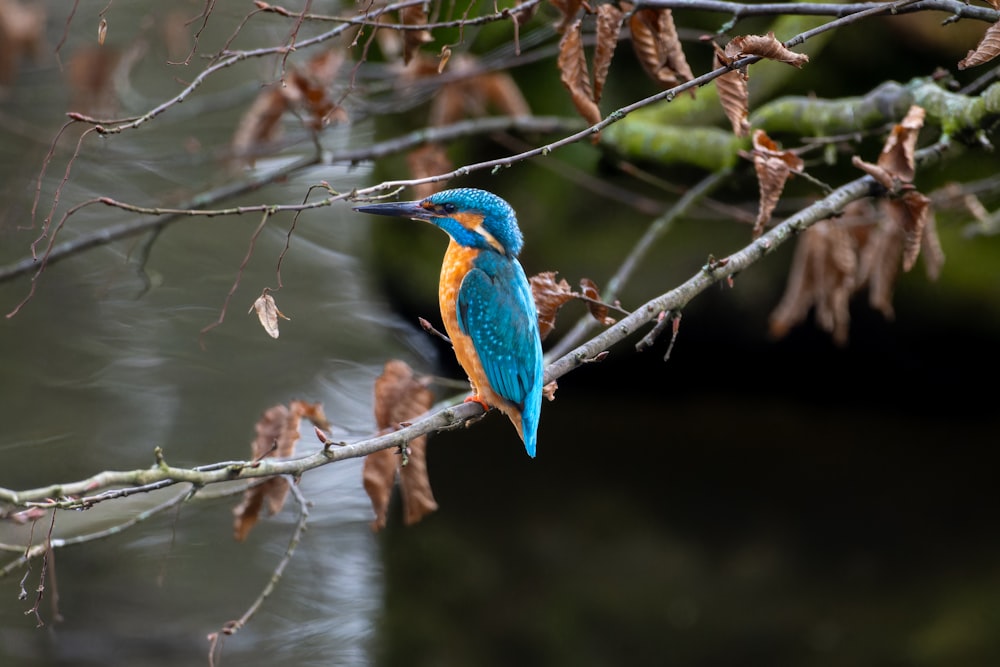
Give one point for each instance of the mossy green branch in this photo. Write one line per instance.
(710, 148)
(957, 114)
(809, 116)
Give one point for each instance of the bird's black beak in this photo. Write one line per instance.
(402, 209)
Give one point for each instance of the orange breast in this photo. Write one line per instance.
(457, 262)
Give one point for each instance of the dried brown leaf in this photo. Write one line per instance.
(22, 33)
(102, 31)
(774, 166)
(987, 49)
(90, 74)
(268, 313)
(277, 434)
(413, 39)
(880, 174)
(897, 155)
(879, 263)
(500, 92)
(424, 161)
(574, 74)
(823, 276)
(473, 95)
(609, 25)
(906, 216)
(522, 15)
(176, 35)
(400, 396)
(568, 9)
(259, 125)
(305, 89)
(308, 89)
(911, 213)
(765, 46)
(598, 309)
(658, 48)
(549, 297)
(734, 95)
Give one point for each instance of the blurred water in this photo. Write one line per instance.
(106, 362)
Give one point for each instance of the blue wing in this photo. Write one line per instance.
(496, 311)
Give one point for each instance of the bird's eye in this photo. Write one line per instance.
(449, 207)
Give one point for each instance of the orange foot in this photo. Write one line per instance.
(475, 399)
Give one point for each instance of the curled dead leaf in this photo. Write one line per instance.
(822, 278)
(609, 25)
(734, 95)
(898, 154)
(268, 313)
(472, 94)
(597, 308)
(400, 396)
(879, 264)
(22, 33)
(424, 161)
(987, 49)
(573, 73)
(765, 46)
(413, 39)
(658, 47)
(568, 9)
(911, 212)
(774, 167)
(102, 31)
(92, 74)
(549, 297)
(522, 15)
(277, 434)
(305, 89)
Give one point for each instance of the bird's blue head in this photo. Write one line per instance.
(474, 218)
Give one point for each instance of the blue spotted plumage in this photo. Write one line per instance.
(486, 301)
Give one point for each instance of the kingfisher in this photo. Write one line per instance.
(485, 298)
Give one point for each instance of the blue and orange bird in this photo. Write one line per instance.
(486, 301)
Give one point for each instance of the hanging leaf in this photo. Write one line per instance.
(305, 89)
(308, 89)
(774, 166)
(428, 160)
(22, 33)
(568, 9)
(734, 95)
(765, 46)
(609, 25)
(908, 211)
(911, 212)
(413, 39)
(549, 297)
(574, 75)
(658, 48)
(822, 278)
(879, 264)
(987, 49)
(597, 308)
(277, 434)
(268, 313)
(472, 94)
(400, 396)
(522, 15)
(898, 154)
(91, 76)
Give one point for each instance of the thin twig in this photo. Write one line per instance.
(232, 627)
